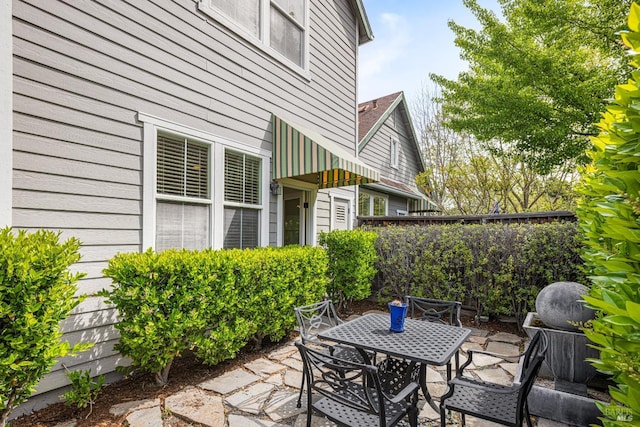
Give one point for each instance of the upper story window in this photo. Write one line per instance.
(279, 27)
(395, 153)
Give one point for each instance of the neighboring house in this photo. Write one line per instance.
(175, 123)
(388, 143)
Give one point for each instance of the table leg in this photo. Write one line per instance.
(425, 391)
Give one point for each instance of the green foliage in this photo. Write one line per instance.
(499, 269)
(352, 258)
(211, 302)
(36, 294)
(84, 389)
(609, 214)
(537, 76)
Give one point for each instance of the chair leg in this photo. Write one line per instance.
(464, 421)
(443, 417)
(525, 412)
(299, 404)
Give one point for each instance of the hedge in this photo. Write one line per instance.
(352, 257)
(36, 294)
(211, 302)
(496, 268)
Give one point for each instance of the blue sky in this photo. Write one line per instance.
(412, 39)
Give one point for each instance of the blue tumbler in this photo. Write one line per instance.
(398, 314)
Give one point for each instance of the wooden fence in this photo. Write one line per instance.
(517, 218)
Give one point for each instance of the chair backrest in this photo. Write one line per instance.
(434, 310)
(530, 364)
(347, 383)
(314, 318)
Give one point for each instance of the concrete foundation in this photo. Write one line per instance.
(564, 407)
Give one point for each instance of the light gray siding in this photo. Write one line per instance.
(82, 72)
(396, 203)
(377, 152)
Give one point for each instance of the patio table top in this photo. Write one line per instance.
(424, 342)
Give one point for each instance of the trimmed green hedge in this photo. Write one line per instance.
(212, 302)
(352, 258)
(497, 268)
(36, 294)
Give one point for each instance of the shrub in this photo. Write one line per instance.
(352, 257)
(609, 215)
(36, 294)
(496, 268)
(84, 390)
(211, 302)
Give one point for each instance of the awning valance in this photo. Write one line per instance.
(305, 155)
(423, 205)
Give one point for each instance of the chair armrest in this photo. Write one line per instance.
(490, 353)
(412, 387)
(471, 352)
(471, 384)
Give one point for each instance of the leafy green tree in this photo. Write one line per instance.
(609, 215)
(537, 76)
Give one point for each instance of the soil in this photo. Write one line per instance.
(185, 371)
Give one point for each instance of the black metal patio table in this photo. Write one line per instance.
(427, 343)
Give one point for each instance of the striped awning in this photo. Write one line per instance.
(422, 205)
(305, 155)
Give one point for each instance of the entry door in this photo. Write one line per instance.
(295, 216)
(341, 214)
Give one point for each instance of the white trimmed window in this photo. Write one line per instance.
(279, 27)
(242, 200)
(372, 204)
(202, 191)
(395, 152)
(183, 210)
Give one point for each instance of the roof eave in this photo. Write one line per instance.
(366, 35)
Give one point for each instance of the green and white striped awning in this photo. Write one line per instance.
(305, 155)
(422, 205)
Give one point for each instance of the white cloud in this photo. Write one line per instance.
(391, 43)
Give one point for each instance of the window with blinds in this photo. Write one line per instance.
(242, 188)
(182, 167)
(182, 170)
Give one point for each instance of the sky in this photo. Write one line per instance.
(411, 40)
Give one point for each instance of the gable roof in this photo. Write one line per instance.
(366, 35)
(372, 115)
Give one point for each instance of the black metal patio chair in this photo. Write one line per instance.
(315, 317)
(435, 310)
(352, 394)
(498, 403)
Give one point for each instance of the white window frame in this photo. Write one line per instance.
(371, 196)
(394, 151)
(263, 41)
(151, 127)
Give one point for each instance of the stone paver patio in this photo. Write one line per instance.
(264, 392)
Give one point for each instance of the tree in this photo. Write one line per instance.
(463, 177)
(537, 77)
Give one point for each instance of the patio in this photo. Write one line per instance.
(263, 392)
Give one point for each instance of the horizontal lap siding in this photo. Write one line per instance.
(83, 70)
(377, 152)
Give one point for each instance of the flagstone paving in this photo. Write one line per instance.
(264, 392)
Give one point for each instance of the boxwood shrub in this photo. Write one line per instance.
(212, 301)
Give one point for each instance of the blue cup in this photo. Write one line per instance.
(398, 314)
